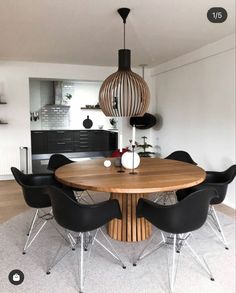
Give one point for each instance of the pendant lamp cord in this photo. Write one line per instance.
(124, 35)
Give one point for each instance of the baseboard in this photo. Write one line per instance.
(229, 204)
(6, 177)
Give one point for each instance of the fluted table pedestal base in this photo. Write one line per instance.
(130, 228)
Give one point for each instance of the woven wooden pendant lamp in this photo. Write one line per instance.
(124, 93)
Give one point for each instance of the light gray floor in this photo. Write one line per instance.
(104, 274)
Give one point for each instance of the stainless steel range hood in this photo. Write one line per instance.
(58, 92)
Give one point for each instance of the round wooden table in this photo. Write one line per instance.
(153, 175)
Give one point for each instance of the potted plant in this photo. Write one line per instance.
(145, 146)
(113, 122)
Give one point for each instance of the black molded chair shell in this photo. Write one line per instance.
(34, 187)
(185, 216)
(214, 180)
(181, 156)
(81, 218)
(58, 160)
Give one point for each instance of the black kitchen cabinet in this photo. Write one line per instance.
(81, 141)
(60, 147)
(99, 140)
(68, 141)
(39, 142)
(60, 135)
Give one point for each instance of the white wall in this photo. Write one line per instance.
(195, 96)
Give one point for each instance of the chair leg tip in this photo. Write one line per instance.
(212, 279)
(226, 247)
(134, 264)
(123, 267)
(73, 249)
(48, 272)
(23, 252)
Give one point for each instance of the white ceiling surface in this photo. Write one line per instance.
(90, 32)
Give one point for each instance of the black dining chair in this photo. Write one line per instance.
(59, 160)
(81, 219)
(182, 156)
(177, 221)
(35, 195)
(218, 181)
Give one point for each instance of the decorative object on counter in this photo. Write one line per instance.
(100, 127)
(87, 123)
(124, 93)
(107, 163)
(34, 116)
(66, 99)
(145, 146)
(144, 122)
(130, 160)
(96, 107)
(113, 123)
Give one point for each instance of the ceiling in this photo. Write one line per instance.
(90, 31)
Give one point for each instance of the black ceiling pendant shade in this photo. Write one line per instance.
(124, 93)
(145, 122)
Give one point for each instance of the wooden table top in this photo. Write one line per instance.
(153, 175)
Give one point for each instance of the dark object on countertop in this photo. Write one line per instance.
(87, 123)
(144, 122)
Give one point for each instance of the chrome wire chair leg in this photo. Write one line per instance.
(49, 217)
(92, 200)
(114, 253)
(203, 263)
(81, 262)
(165, 198)
(217, 222)
(174, 264)
(34, 218)
(158, 197)
(88, 239)
(173, 269)
(143, 255)
(56, 260)
(29, 241)
(79, 196)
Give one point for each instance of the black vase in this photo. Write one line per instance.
(87, 123)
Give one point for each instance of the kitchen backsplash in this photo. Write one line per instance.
(55, 117)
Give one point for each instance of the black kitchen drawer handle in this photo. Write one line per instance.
(60, 132)
(61, 143)
(37, 132)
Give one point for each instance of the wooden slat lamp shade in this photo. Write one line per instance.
(124, 93)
